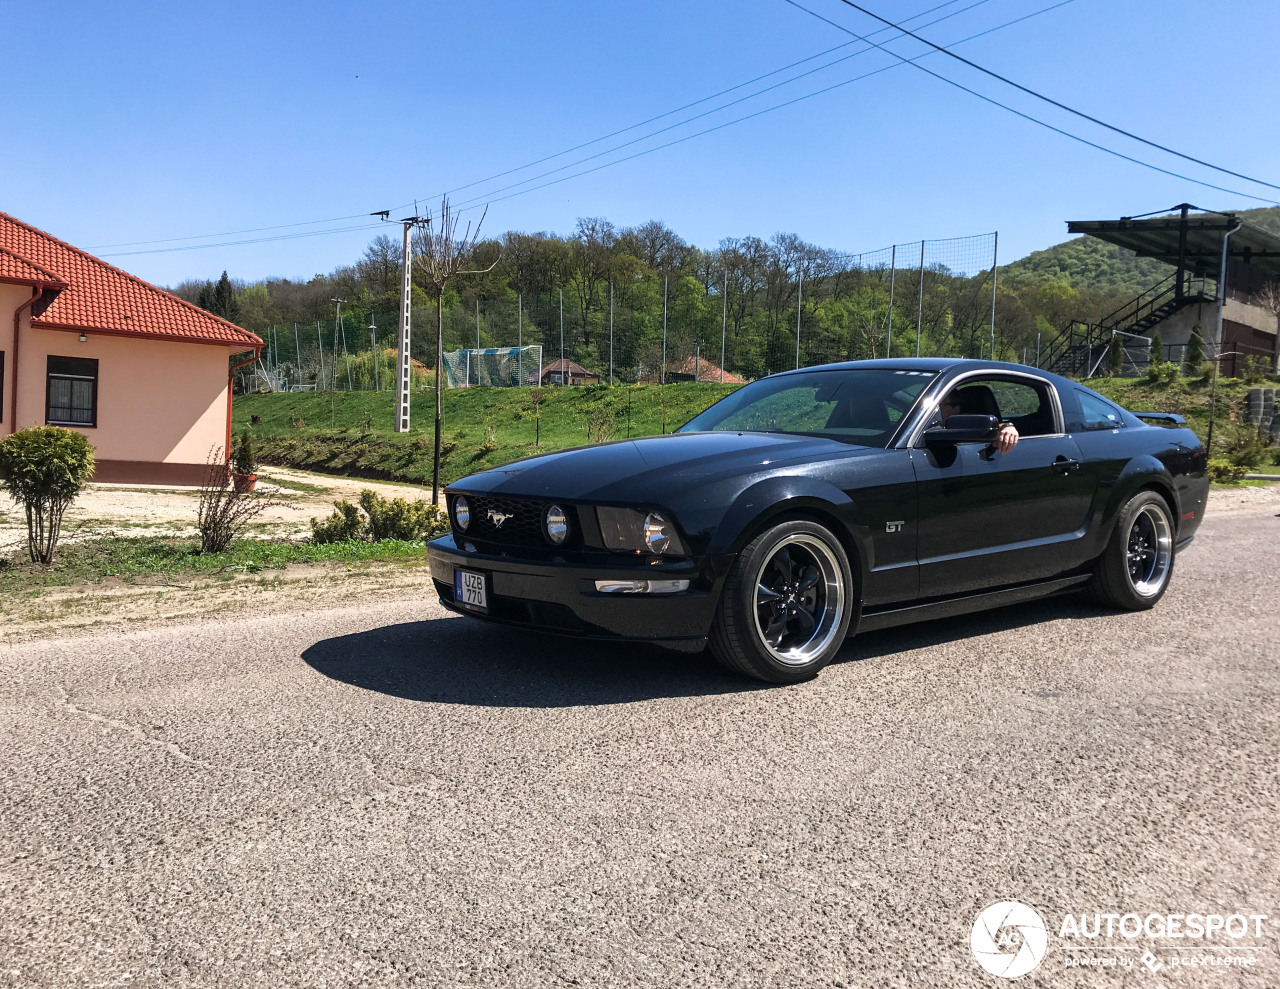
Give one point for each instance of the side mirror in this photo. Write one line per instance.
(964, 429)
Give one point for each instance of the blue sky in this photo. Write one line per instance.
(148, 121)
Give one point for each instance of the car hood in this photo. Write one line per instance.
(655, 467)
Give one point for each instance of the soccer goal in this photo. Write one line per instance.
(494, 367)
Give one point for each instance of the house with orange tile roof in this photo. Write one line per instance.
(143, 374)
(563, 371)
(698, 368)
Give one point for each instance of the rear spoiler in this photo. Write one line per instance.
(1170, 417)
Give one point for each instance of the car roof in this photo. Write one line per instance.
(936, 364)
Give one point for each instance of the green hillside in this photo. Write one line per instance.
(1088, 264)
(350, 433)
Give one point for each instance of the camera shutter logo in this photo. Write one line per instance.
(1009, 939)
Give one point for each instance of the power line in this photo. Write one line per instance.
(713, 96)
(1027, 116)
(232, 233)
(778, 106)
(543, 160)
(698, 116)
(1053, 102)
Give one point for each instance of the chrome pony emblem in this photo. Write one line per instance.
(497, 518)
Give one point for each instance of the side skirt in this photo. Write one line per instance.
(969, 603)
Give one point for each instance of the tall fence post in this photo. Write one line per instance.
(893, 271)
(920, 300)
(799, 310)
(724, 321)
(995, 274)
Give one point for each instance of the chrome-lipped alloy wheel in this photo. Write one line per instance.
(1149, 551)
(799, 599)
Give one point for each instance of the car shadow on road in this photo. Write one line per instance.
(887, 642)
(453, 661)
(448, 661)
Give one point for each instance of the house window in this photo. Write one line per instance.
(556, 379)
(71, 397)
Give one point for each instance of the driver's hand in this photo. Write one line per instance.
(1006, 440)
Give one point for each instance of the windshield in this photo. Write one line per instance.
(862, 406)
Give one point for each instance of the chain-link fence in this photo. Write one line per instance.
(742, 315)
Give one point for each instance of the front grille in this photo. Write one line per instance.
(521, 522)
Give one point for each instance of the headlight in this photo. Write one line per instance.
(461, 512)
(557, 525)
(657, 533)
(629, 530)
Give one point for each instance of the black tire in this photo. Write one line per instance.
(1134, 570)
(786, 604)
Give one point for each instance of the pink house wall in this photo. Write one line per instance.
(161, 405)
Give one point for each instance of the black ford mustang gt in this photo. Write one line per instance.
(817, 502)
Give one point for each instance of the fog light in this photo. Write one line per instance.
(641, 586)
(557, 524)
(461, 512)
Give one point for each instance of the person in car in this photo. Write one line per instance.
(978, 400)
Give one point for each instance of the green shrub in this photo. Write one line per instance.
(1193, 356)
(1163, 372)
(243, 462)
(345, 524)
(44, 468)
(1116, 364)
(377, 519)
(1255, 369)
(1157, 348)
(1223, 471)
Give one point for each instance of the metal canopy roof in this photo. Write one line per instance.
(1162, 238)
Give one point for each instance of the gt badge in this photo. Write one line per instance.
(893, 526)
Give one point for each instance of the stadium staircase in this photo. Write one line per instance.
(1080, 347)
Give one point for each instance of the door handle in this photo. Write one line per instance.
(1065, 465)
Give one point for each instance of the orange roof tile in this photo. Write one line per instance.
(101, 297)
(707, 371)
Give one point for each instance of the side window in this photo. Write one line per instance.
(71, 394)
(1098, 413)
(1024, 403)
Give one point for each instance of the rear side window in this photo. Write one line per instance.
(1098, 413)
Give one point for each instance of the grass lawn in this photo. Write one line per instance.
(151, 556)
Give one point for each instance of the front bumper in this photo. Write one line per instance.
(561, 597)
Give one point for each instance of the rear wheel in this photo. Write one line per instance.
(786, 604)
(1134, 570)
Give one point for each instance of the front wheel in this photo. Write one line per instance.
(786, 604)
(1134, 570)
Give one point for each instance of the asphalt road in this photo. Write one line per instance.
(387, 795)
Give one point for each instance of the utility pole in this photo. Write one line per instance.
(404, 372)
(322, 380)
(373, 352)
(337, 329)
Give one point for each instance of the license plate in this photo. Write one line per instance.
(469, 590)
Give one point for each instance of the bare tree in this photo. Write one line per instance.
(1268, 297)
(443, 256)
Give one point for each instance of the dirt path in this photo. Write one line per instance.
(138, 509)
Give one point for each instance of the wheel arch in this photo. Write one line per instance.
(778, 499)
(1144, 474)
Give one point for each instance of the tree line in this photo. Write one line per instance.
(606, 287)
